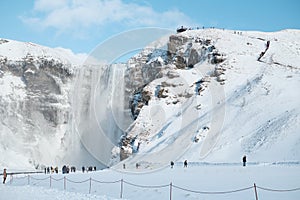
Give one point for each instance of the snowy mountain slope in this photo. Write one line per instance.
(202, 95)
(246, 106)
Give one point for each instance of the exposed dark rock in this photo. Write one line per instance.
(162, 93)
(140, 99)
(193, 58)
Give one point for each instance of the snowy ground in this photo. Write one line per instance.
(198, 177)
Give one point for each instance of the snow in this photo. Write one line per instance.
(12, 87)
(17, 51)
(197, 177)
(27, 192)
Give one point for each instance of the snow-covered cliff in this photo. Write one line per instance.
(34, 102)
(220, 94)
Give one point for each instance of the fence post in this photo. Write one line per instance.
(255, 190)
(121, 193)
(65, 183)
(90, 185)
(28, 179)
(50, 181)
(171, 191)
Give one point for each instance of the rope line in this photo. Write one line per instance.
(77, 181)
(219, 192)
(23, 177)
(39, 179)
(57, 179)
(274, 190)
(146, 186)
(161, 186)
(108, 182)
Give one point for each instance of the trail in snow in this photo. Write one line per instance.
(188, 183)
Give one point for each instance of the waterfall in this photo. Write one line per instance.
(99, 113)
(100, 102)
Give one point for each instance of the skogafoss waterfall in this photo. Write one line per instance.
(99, 113)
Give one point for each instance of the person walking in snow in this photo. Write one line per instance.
(172, 164)
(4, 175)
(185, 163)
(244, 160)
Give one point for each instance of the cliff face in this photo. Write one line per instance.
(162, 67)
(34, 107)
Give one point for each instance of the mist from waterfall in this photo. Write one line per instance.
(99, 113)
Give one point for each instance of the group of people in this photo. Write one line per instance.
(88, 169)
(51, 170)
(66, 169)
(185, 164)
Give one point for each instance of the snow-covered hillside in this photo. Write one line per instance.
(203, 95)
(220, 98)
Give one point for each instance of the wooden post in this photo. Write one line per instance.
(255, 190)
(171, 191)
(65, 183)
(121, 193)
(90, 185)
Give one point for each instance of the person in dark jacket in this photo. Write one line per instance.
(4, 175)
(185, 163)
(244, 160)
(172, 164)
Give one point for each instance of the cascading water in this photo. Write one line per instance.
(100, 106)
(99, 113)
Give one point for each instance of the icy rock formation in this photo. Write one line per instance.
(187, 51)
(34, 106)
(183, 52)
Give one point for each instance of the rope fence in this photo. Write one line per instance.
(216, 192)
(171, 186)
(274, 190)
(146, 186)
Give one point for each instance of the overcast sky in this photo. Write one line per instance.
(80, 25)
